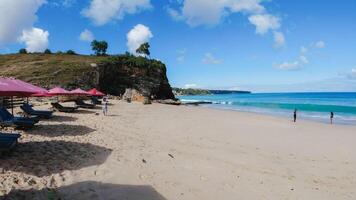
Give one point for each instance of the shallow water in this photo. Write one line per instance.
(311, 106)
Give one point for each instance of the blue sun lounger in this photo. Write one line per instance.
(7, 119)
(8, 141)
(39, 113)
(7, 115)
(95, 100)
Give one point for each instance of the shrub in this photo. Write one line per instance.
(23, 51)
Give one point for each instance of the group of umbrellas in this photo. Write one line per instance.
(16, 87)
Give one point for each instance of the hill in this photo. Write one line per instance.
(190, 91)
(195, 91)
(111, 74)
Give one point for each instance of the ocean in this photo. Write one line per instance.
(310, 106)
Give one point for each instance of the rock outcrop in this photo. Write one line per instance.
(111, 74)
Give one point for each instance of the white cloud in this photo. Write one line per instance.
(303, 50)
(103, 11)
(352, 74)
(36, 39)
(320, 45)
(304, 59)
(295, 65)
(210, 59)
(137, 36)
(181, 55)
(86, 35)
(264, 23)
(211, 12)
(175, 14)
(16, 16)
(68, 3)
(279, 40)
(190, 85)
(289, 65)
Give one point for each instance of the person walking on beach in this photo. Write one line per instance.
(331, 117)
(295, 115)
(105, 106)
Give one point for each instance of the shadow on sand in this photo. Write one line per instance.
(89, 190)
(49, 157)
(55, 130)
(81, 111)
(57, 118)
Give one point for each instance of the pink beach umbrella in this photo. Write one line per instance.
(15, 87)
(58, 91)
(40, 92)
(95, 92)
(79, 91)
(30, 86)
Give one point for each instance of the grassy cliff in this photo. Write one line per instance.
(112, 74)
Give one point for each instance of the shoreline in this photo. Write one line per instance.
(300, 119)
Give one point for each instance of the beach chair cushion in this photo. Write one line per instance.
(61, 108)
(5, 115)
(40, 113)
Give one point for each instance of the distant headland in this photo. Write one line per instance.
(194, 91)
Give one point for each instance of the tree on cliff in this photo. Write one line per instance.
(71, 52)
(144, 49)
(99, 47)
(47, 51)
(23, 51)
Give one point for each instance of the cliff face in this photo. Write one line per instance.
(112, 74)
(146, 76)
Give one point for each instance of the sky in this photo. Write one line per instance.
(258, 45)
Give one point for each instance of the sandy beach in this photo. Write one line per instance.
(179, 152)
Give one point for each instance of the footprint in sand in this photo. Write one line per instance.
(203, 178)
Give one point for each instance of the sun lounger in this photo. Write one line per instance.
(6, 115)
(39, 113)
(10, 121)
(8, 141)
(95, 100)
(61, 108)
(82, 104)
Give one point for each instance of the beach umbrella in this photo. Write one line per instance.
(79, 91)
(13, 87)
(40, 92)
(58, 91)
(95, 92)
(29, 86)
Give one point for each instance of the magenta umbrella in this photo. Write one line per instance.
(79, 91)
(14, 87)
(30, 86)
(41, 92)
(95, 92)
(58, 91)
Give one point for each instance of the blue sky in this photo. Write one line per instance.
(274, 45)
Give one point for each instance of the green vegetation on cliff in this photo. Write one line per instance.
(112, 74)
(190, 91)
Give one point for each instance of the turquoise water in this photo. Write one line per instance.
(313, 106)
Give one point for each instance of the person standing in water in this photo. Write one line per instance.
(331, 117)
(295, 115)
(105, 106)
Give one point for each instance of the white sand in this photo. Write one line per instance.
(216, 155)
